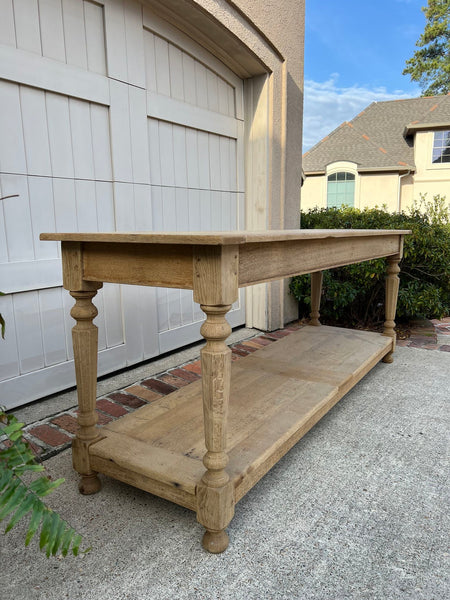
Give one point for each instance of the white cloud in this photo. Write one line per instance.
(327, 105)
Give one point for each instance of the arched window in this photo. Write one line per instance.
(340, 189)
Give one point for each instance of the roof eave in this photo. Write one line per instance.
(391, 169)
(415, 127)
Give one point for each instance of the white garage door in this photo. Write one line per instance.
(110, 120)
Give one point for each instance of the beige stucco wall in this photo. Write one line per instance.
(378, 190)
(262, 42)
(314, 192)
(370, 190)
(430, 179)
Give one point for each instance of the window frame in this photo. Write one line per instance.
(339, 180)
(442, 135)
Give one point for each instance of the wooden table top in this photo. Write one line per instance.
(220, 238)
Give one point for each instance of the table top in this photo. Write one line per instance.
(220, 238)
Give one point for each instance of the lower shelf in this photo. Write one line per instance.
(277, 394)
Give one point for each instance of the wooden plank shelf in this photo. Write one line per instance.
(277, 394)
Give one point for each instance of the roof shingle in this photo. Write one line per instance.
(380, 137)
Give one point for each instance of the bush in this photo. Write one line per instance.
(354, 295)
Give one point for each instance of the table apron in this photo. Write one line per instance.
(171, 265)
(259, 262)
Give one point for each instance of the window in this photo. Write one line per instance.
(441, 147)
(340, 189)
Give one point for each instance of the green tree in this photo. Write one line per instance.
(430, 64)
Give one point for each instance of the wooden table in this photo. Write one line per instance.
(206, 445)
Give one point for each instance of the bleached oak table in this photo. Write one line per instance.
(206, 445)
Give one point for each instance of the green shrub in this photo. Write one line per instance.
(354, 295)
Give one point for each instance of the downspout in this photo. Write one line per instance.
(400, 188)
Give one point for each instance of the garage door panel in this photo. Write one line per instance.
(69, 31)
(16, 211)
(120, 132)
(130, 158)
(112, 309)
(124, 41)
(100, 320)
(3, 245)
(35, 130)
(60, 136)
(203, 160)
(180, 152)
(26, 22)
(65, 207)
(173, 72)
(86, 206)
(80, 126)
(9, 353)
(105, 206)
(99, 116)
(189, 83)
(52, 31)
(47, 134)
(155, 145)
(7, 31)
(158, 26)
(28, 331)
(75, 33)
(12, 148)
(95, 37)
(42, 216)
(139, 141)
(51, 311)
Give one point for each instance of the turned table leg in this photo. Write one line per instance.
(215, 289)
(215, 492)
(392, 285)
(316, 293)
(85, 348)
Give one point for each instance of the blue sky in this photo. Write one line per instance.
(355, 52)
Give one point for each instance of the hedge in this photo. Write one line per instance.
(353, 296)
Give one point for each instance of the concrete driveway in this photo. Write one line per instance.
(358, 509)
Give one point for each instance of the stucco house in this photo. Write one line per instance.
(388, 154)
(138, 115)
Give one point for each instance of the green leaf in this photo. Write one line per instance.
(12, 427)
(9, 491)
(24, 508)
(76, 544)
(5, 478)
(35, 521)
(66, 540)
(62, 525)
(14, 501)
(54, 527)
(46, 528)
(43, 486)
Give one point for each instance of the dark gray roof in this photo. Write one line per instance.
(380, 137)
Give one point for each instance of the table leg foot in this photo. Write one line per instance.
(389, 358)
(215, 541)
(89, 484)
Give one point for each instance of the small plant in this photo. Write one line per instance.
(18, 499)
